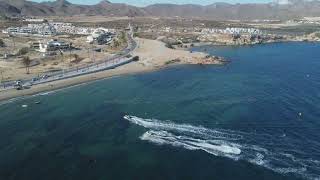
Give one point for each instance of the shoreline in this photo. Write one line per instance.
(7, 95)
(153, 56)
(209, 43)
(146, 64)
(12, 94)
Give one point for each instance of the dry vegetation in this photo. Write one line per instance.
(18, 48)
(145, 27)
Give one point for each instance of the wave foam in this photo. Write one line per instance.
(258, 149)
(215, 147)
(167, 125)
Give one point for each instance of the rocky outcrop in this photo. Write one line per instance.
(211, 60)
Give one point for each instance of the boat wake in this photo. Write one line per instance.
(259, 149)
(215, 147)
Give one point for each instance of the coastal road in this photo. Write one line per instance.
(122, 58)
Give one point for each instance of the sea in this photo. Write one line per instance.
(255, 118)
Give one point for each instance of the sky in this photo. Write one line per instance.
(148, 2)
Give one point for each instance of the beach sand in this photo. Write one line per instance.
(153, 55)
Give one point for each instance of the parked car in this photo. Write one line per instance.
(35, 79)
(18, 84)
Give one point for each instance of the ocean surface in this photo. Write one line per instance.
(255, 118)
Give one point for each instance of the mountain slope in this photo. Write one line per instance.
(65, 8)
(280, 9)
(239, 11)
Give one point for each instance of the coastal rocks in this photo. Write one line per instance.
(206, 60)
(237, 39)
(313, 37)
(173, 61)
(212, 60)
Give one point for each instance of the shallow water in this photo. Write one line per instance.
(255, 118)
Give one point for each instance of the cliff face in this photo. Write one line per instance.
(287, 9)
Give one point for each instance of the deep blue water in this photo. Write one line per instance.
(255, 118)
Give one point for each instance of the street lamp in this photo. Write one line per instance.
(1, 71)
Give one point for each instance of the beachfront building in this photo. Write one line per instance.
(231, 31)
(50, 46)
(34, 20)
(52, 28)
(31, 29)
(17, 30)
(101, 36)
(42, 29)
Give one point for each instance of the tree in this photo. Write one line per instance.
(136, 58)
(26, 62)
(23, 51)
(123, 37)
(2, 44)
(76, 58)
(116, 43)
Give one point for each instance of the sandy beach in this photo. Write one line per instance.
(153, 55)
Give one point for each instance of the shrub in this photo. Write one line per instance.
(23, 51)
(26, 62)
(172, 61)
(2, 44)
(136, 58)
(169, 45)
(76, 59)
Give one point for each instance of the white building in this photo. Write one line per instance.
(231, 31)
(53, 28)
(34, 20)
(101, 35)
(51, 46)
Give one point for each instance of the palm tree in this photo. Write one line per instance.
(26, 61)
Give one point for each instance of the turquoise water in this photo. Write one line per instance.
(255, 118)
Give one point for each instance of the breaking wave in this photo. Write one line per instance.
(258, 149)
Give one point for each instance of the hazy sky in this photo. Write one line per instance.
(148, 2)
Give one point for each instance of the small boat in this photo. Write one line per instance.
(37, 102)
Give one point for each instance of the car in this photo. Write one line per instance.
(45, 76)
(35, 79)
(18, 84)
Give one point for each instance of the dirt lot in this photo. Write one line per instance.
(12, 68)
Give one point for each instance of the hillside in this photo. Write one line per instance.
(221, 11)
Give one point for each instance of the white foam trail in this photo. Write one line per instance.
(46, 93)
(167, 125)
(215, 147)
(236, 145)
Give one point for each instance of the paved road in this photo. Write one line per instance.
(108, 63)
